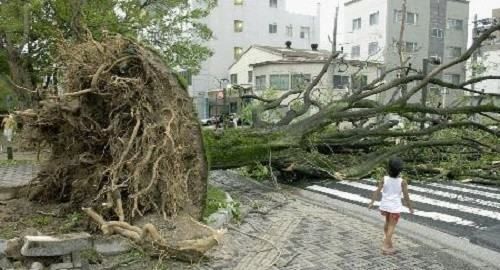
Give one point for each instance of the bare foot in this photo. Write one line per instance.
(388, 251)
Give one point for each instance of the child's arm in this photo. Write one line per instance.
(406, 196)
(376, 193)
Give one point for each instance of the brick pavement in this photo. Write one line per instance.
(310, 237)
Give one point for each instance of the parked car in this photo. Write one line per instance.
(208, 121)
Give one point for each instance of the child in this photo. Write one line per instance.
(390, 205)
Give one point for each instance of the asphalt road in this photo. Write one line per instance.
(465, 210)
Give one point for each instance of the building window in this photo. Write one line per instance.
(234, 78)
(273, 28)
(411, 17)
(238, 51)
(356, 24)
(304, 32)
(411, 47)
(452, 78)
(360, 81)
(373, 48)
(355, 51)
(279, 82)
(250, 76)
(300, 81)
(260, 82)
(374, 18)
(273, 3)
(238, 26)
(238, 2)
(289, 30)
(454, 52)
(437, 33)
(340, 82)
(455, 24)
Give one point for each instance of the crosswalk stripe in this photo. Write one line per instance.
(439, 203)
(432, 215)
(454, 196)
(481, 187)
(468, 190)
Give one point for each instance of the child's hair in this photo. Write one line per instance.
(395, 167)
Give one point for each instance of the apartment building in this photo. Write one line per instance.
(433, 28)
(488, 57)
(237, 24)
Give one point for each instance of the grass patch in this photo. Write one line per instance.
(39, 221)
(8, 232)
(216, 199)
(71, 222)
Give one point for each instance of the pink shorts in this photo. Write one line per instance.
(394, 216)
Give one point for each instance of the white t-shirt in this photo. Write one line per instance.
(391, 195)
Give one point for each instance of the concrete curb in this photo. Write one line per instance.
(480, 257)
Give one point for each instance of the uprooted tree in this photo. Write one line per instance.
(307, 139)
(124, 142)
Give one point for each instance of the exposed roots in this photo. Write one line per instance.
(123, 136)
(148, 236)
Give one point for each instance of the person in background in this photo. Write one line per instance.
(9, 126)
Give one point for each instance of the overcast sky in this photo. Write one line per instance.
(481, 7)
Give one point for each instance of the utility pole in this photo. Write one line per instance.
(474, 62)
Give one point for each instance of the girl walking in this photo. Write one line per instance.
(391, 206)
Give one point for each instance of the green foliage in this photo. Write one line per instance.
(255, 171)
(40, 221)
(172, 27)
(7, 232)
(71, 222)
(237, 146)
(216, 199)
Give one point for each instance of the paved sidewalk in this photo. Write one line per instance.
(285, 231)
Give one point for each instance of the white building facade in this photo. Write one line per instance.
(236, 25)
(433, 28)
(489, 58)
(284, 69)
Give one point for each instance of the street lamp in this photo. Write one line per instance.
(434, 60)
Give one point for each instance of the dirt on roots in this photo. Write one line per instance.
(124, 138)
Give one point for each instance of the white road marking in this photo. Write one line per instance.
(453, 196)
(439, 203)
(432, 215)
(468, 190)
(481, 187)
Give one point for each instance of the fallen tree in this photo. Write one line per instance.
(309, 137)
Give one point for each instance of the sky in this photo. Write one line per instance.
(481, 7)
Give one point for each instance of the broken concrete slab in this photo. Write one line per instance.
(36, 266)
(489, 238)
(43, 246)
(61, 266)
(112, 245)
